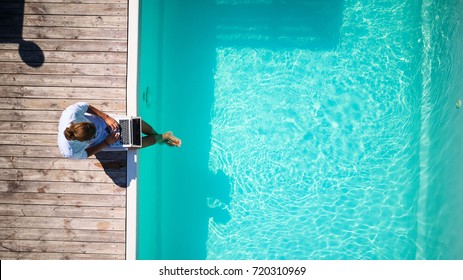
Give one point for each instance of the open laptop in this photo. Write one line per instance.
(130, 132)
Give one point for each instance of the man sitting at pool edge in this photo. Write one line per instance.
(84, 130)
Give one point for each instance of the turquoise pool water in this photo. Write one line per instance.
(311, 129)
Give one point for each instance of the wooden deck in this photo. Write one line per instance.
(50, 207)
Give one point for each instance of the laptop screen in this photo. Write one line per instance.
(136, 133)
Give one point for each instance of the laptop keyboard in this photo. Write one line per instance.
(125, 132)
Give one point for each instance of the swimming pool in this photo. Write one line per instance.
(311, 129)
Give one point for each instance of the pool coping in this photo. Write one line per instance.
(132, 110)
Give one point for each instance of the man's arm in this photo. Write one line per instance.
(111, 139)
(108, 120)
(95, 149)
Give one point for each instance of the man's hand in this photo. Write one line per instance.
(112, 123)
(111, 139)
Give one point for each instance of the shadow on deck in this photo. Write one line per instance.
(11, 28)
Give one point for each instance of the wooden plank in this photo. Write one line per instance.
(49, 8)
(63, 199)
(58, 104)
(29, 127)
(64, 69)
(30, 151)
(61, 188)
(31, 33)
(33, 104)
(110, 176)
(62, 211)
(61, 247)
(62, 223)
(76, 9)
(27, 139)
(59, 81)
(78, 1)
(77, 94)
(91, 164)
(51, 152)
(70, 45)
(61, 235)
(82, 57)
(98, 21)
(66, 21)
(57, 256)
(39, 116)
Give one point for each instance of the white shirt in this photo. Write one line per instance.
(77, 113)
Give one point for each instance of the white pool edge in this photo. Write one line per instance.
(132, 110)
